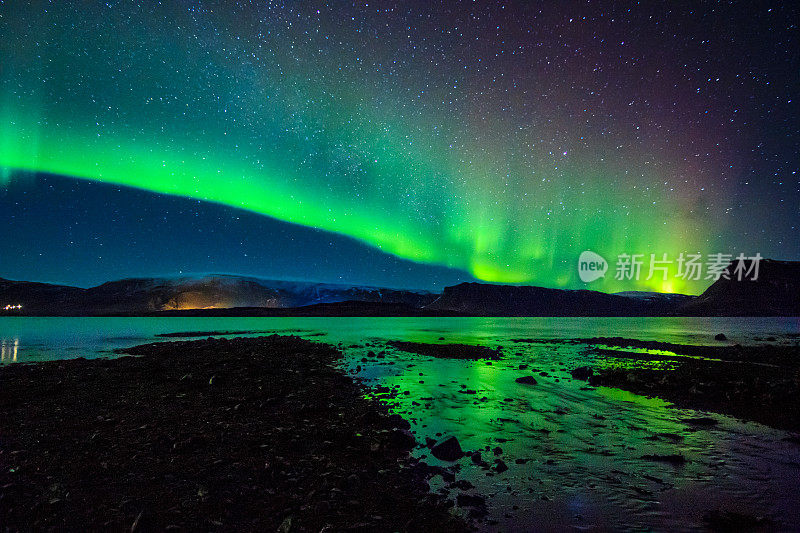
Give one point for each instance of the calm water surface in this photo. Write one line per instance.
(39, 339)
(574, 453)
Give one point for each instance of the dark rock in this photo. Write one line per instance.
(448, 450)
(448, 351)
(526, 380)
(700, 421)
(595, 380)
(462, 484)
(720, 337)
(500, 466)
(306, 442)
(399, 422)
(402, 439)
(582, 372)
(794, 439)
(674, 459)
(465, 500)
(718, 520)
(447, 476)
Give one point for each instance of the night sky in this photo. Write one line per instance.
(408, 144)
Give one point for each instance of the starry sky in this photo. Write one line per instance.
(407, 144)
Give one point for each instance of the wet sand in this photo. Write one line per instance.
(258, 434)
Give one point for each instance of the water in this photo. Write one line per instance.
(574, 453)
(27, 339)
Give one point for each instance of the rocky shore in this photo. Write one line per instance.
(758, 383)
(258, 434)
(448, 350)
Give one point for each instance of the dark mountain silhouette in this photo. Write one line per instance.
(25, 292)
(775, 292)
(149, 295)
(508, 300)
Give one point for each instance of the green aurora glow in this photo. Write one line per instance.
(291, 124)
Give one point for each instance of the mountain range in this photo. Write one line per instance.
(776, 292)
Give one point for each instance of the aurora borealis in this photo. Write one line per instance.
(499, 139)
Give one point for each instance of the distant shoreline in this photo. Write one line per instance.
(295, 312)
(775, 293)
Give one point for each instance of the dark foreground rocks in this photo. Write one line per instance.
(244, 434)
(759, 383)
(448, 450)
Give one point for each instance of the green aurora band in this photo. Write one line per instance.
(293, 125)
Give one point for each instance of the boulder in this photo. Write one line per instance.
(465, 500)
(582, 372)
(448, 450)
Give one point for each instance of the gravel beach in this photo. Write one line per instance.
(243, 434)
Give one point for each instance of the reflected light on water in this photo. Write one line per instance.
(8, 350)
(573, 455)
